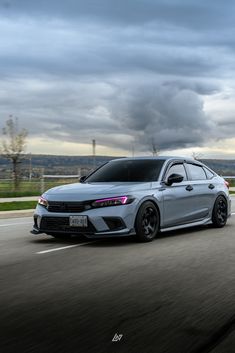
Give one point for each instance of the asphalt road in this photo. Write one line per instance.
(174, 295)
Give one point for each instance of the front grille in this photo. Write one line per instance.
(61, 224)
(70, 207)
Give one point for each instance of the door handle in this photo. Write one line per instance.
(211, 186)
(189, 188)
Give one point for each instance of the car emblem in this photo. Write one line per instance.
(63, 206)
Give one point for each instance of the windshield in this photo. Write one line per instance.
(127, 171)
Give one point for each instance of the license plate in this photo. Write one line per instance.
(78, 221)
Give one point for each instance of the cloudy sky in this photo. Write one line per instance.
(127, 73)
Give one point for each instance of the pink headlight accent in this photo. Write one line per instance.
(42, 201)
(123, 199)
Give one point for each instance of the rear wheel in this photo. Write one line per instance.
(147, 222)
(220, 212)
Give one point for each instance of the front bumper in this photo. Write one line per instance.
(104, 222)
(95, 235)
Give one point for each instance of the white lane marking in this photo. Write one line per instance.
(61, 248)
(15, 224)
(233, 213)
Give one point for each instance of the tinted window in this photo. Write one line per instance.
(196, 172)
(209, 174)
(177, 169)
(127, 170)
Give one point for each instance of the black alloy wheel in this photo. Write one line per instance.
(220, 212)
(147, 222)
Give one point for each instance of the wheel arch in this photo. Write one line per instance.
(223, 194)
(154, 201)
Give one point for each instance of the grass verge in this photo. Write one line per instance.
(19, 193)
(17, 205)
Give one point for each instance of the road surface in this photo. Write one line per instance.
(174, 295)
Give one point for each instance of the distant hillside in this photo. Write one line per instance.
(221, 166)
(53, 164)
(70, 164)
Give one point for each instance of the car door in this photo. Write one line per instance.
(178, 198)
(203, 190)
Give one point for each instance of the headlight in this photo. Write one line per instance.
(42, 201)
(113, 201)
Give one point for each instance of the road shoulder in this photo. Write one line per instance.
(16, 214)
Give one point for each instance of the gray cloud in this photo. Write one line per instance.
(60, 48)
(121, 72)
(116, 115)
(185, 13)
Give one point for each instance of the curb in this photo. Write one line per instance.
(16, 199)
(16, 214)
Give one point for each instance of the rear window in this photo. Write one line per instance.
(196, 172)
(127, 171)
(209, 174)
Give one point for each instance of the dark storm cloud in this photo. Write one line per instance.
(123, 72)
(185, 13)
(170, 116)
(116, 115)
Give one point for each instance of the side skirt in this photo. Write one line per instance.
(193, 224)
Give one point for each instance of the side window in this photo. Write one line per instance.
(196, 172)
(209, 174)
(177, 169)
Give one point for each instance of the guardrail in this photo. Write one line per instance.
(49, 176)
(35, 186)
(61, 176)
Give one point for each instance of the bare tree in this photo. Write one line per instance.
(13, 146)
(196, 156)
(154, 148)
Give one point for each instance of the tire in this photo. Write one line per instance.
(147, 222)
(220, 212)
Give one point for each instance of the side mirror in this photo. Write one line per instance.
(174, 178)
(82, 179)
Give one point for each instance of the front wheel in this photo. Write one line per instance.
(220, 212)
(147, 222)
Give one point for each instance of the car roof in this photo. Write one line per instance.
(162, 158)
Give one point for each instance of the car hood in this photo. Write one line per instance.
(89, 191)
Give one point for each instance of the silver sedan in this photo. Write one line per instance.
(135, 196)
